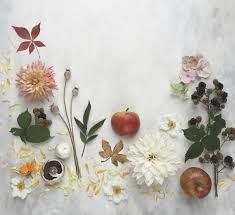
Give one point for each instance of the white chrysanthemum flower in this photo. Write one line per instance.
(171, 124)
(153, 159)
(116, 189)
(21, 187)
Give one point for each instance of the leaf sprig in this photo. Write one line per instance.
(30, 133)
(114, 154)
(86, 135)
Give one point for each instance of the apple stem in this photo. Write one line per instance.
(216, 180)
(127, 109)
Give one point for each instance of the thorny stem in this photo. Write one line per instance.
(222, 169)
(225, 140)
(216, 174)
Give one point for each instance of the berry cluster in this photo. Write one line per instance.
(218, 159)
(41, 117)
(194, 121)
(202, 94)
(229, 133)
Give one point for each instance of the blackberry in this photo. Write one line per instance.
(228, 160)
(199, 119)
(215, 81)
(200, 91)
(192, 122)
(224, 95)
(202, 85)
(214, 159)
(215, 102)
(219, 86)
(195, 96)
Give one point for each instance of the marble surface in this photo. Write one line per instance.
(122, 54)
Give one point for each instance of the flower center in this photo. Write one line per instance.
(171, 124)
(117, 190)
(152, 156)
(21, 185)
(35, 81)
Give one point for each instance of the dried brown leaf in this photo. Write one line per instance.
(121, 158)
(114, 161)
(107, 148)
(108, 153)
(103, 154)
(118, 147)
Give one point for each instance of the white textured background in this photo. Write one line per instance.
(123, 53)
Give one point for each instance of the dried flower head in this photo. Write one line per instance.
(54, 108)
(36, 82)
(67, 74)
(75, 91)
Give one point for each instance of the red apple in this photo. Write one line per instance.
(195, 182)
(125, 123)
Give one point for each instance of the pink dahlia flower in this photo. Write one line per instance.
(36, 82)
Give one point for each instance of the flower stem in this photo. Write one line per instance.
(73, 146)
(65, 106)
(216, 173)
(38, 52)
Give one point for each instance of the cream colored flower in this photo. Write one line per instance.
(153, 159)
(21, 187)
(116, 189)
(171, 124)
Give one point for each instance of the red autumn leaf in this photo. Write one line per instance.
(30, 43)
(35, 31)
(31, 48)
(22, 32)
(39, 44)
(23, 46)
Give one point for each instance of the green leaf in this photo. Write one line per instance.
(96, 127)
(91, 138)
(83, 137)
(211, 142)
(194, 134)
(17, 131)
(24, 119)
(82, 127)
(218, 125)
(194, 151)
(37, 134)
(87, 114)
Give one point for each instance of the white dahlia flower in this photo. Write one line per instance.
(153, 159)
